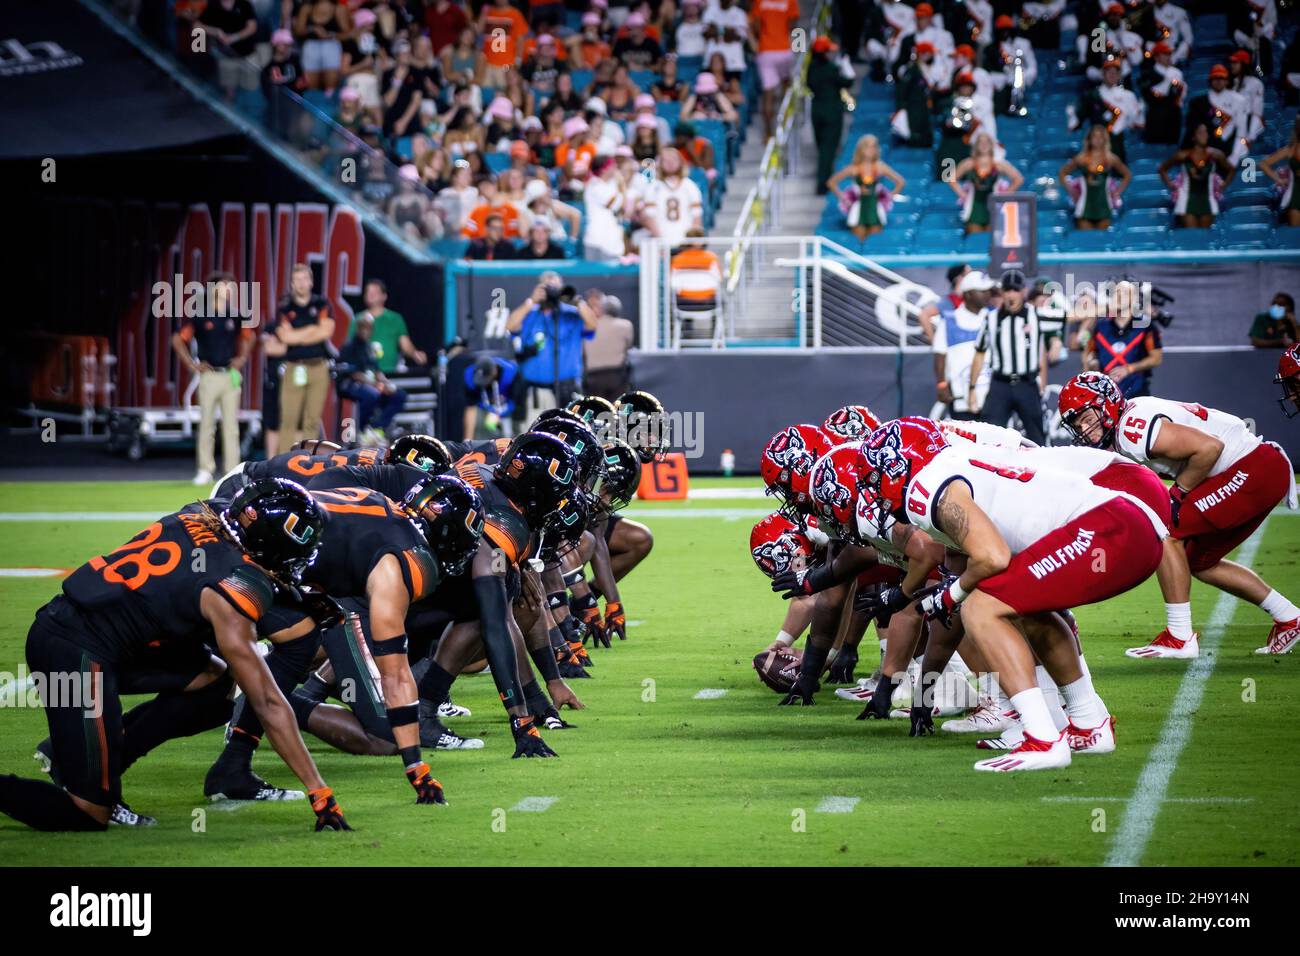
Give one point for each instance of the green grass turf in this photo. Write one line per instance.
(653, 776)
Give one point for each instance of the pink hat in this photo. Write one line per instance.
(623, 152)
(282, 38)
(645, 101)
(349, 94)
(591, 19)
(546, 40)
(409, 173)
(706, 83)
(573, 126)
(635, 20)
(646, 121)
(502, 108)
(363, 18)
(600, 4)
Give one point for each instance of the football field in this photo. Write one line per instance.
(683, 758)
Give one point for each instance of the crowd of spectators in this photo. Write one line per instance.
(586, 116)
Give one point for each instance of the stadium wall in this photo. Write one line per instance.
(744, 397)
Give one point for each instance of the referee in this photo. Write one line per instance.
(1019, 363)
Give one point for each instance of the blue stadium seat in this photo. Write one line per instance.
(582, 79)
(1052, 239)
(496, 162)
(1144, 216)
(643, 78)
(1147, 198)
(403, 148)
(1141, 238)
(1246, 235)
(1248, 194)
(1242, 215)
(671, 112)
(1191, 239)
(1090, 240)
(1286, 237)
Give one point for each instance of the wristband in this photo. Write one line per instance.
(573, 577)
(957, 592)
(784, 639)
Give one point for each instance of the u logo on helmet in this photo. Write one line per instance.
(473, 521)
(291, 524)
(553, 469)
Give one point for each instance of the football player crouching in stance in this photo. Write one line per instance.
(1035, 541)
(260, 542)
(1226, 481)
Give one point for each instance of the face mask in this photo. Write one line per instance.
(1277, 311)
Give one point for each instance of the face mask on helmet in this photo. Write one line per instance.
(1090, 406)
(778, 545)
(278, 524)
(586, 447)
(537, 472)
(643, 424)
(563, 528)
(833, 487)
(787, 461)
(419, 451)
(621, 478)
(598, 413)
(450, 514)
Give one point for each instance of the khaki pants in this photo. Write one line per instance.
(216, 390)
(301, 405)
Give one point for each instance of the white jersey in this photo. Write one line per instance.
(1140, 424)
(1024, 503)
(1071, 459)
(875, 528)
(676, 210)
(982, 433)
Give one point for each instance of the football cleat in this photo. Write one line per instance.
(447, 709)
(435, 735)
(244, 785)
(1282, 638)
(1098, 740)
(1030, 754)
(1166, 645)
(861, 694)
(124, 816)
(986, 719)
(1010, 740)
(551, 720)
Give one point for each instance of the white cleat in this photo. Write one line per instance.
(450, 741)
(1010, 740)
(1031, 754)
(1098, 740)
(986, 719)
(861, 694)
(1282, 638)
(448, 709)
(1168, 646)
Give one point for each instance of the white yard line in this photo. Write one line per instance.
(1139, 819)
(837, 804)
(1166, 800)
(32, 572)
(710, 693)
(534, 804)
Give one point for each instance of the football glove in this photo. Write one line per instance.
(939, 604)
(528, 742)
(593, 628)
(329, 815)
(615, 621)
(793, 584)
(427, 790)
(841, 671)
(882, 603)
(1176, 496)
(878, 707)
(922, 721)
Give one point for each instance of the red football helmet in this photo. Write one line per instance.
(894, 453)
(850, 423)
(788, 460)
(834, 485)
(1092, 392)
(1288, 376)
(778, 544)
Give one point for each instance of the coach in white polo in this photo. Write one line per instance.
(1010, 339)
(955, 334)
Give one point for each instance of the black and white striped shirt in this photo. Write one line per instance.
(1011, 340)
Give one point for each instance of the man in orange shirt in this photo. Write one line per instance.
(587, 49)
(491, 205)
(503, 29)
(773, 22)
(577, 144)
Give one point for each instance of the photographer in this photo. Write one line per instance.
(551, 326)
(1125, 343)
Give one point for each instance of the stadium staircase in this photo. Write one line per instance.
(925, 219)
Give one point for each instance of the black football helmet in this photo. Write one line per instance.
(277, 524)
(450, 513)
(622, 476)
(564, 526)
(538, 472)
(597, 412)
(420, 451)
(643, 424)
(583, 441)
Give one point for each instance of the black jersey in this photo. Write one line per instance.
(486, 451)
(299, 466)
(148, 590)
(505, 526)
(364, 526)
(393, 481)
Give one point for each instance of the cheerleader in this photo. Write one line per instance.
(867, 201)
(1286, 179)
(978, 177)
(1102, 180)
(1200, 180)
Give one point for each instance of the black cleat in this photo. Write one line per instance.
(435, 735)
(124, 816)
(226, 782)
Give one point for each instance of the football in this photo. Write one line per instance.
(778, 669)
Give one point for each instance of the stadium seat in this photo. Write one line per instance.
(643, 78)
(1143, 216)
(1246, 235)
(1142, 238)
(1242, 215)
(1247, 194)
(582, 79)
(1191, 239)
(496, 162)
